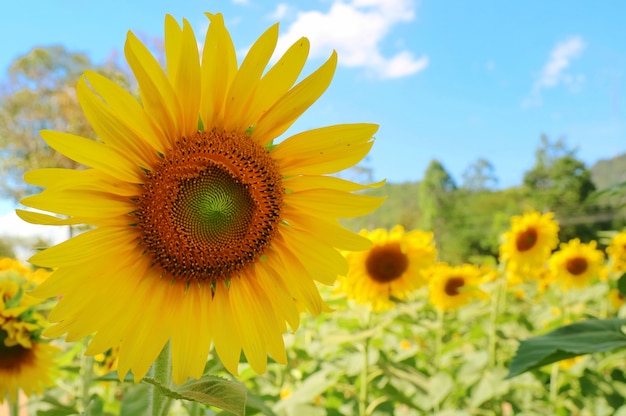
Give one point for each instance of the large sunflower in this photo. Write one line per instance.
(528, 243)
(26, 362)
(576, 264)
(392, 268)
(451, 287)
(206, 231)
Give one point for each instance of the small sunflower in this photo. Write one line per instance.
(204, 230)
(576, 264)
(528, 243)
(616, 299)
(616, 251)
(451, 287)
(26, 362)
(391, 269)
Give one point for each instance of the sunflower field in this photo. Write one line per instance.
(442, 345)
(208, 272)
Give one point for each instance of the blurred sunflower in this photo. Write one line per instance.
(616, 251)
(576, 264)
(527, 244)
(616, 299)
(26, 362)
(391, 269)
(452, 287)
(205, 229)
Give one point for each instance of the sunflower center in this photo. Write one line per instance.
(453, 285)
(576, 265)
(211, 207)
(526, 240)
(386, 263)
(13, 357)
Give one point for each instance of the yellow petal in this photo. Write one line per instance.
(127, 110)
(93, 154)
(183, 67)
(331, 203)
(290, 106)
(247, 79)
(324, 150)
(277, 81)
(80, 203)
(85, 179)
(225, 338)
(328, 231)
(112, 130)
(157, 94)
(83, 247)
(305, 182)
(219, 66)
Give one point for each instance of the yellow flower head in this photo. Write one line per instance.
(616, 251)
(452, 287)
(26, 363)
(204, 230)
(576, 264)
(527, 244)
(392, 268)
(616, 299)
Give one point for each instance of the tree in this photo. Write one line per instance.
(561, 183)
(479, 176)
(40, 94)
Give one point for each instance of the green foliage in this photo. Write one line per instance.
(209, 390)
(586, 337)
(40, 94)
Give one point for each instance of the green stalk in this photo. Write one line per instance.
(14, 406)
(162, 372)
(493, 318)
(438, 339)
(363, 392)
(86, 376)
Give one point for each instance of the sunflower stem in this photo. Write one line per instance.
(438, 339)
(495, 311)
(363, 392)
(86, 376)
(162, 372)
(14, 406)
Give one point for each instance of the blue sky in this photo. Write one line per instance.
(451, 80)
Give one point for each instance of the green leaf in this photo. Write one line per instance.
(621, 284)
(210, 390)
(586, 337)
(134, 403)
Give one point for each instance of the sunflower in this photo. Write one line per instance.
(26, 362)
(616, 299)
(204, 229)
(576, 264)
(451, 287)
(528, 243)
(616, 251)
(391, 269)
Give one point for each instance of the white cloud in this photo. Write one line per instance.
(553, 73)
(356, 29)
(26, 235)
(280, 12)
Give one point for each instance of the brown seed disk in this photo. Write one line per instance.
(386, 263)
(211, 207)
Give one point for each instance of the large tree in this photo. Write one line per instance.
(40, 94)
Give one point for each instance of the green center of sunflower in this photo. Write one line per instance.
(453, 284)
(526, 240)
(386, 263)
(576, 265)
(211, 207)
